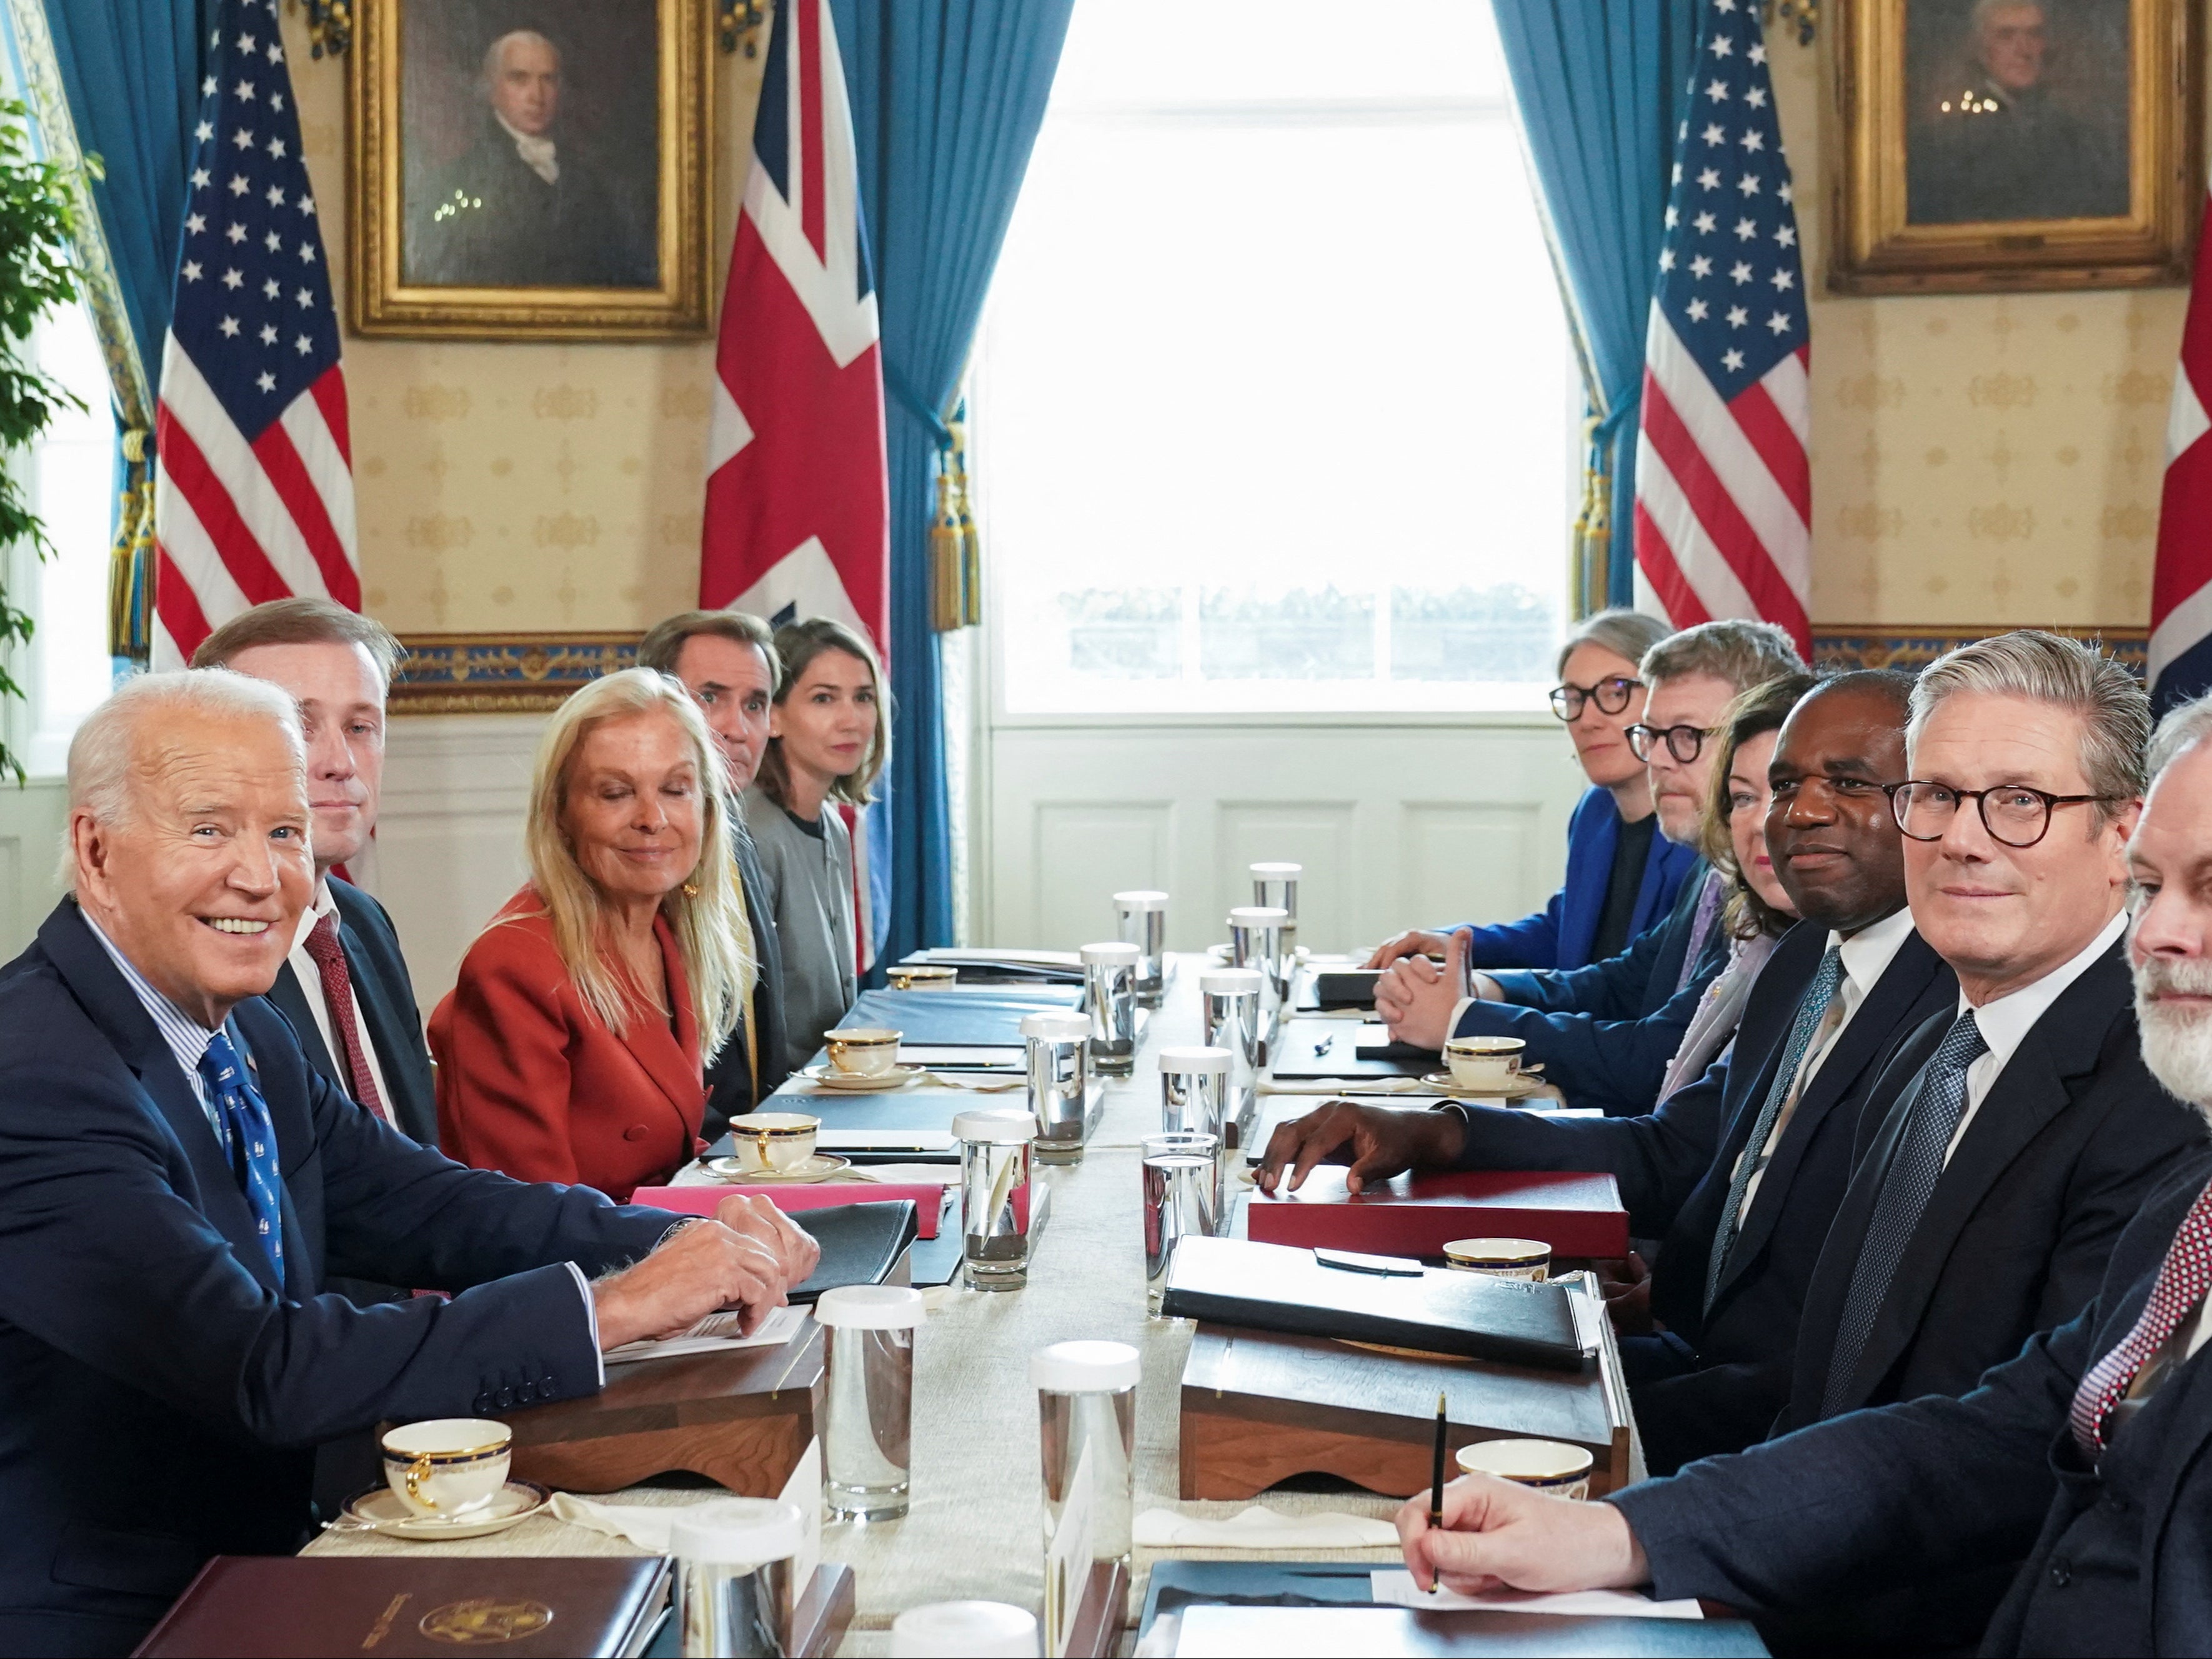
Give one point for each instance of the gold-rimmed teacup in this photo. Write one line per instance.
(920, 977)
(773, 1143)
(1501, 1258)
(863, 1050)
(1484, 1062)
(1551, 1466)
(448, 1467)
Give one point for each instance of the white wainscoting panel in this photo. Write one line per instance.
(449, 833)
(32, 819)
(1397, 825)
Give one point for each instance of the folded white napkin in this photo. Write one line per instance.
(1337, 1085)
(905, 1174)
(645, 1528)
(1262, 1528)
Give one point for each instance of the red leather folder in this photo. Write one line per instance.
(1577, 1213)
(928, 1200)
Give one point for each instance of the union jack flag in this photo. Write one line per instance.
(1723, 483)
(253, 471)
(2181, 588)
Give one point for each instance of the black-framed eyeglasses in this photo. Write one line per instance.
(1684, 742)
(2015, 814)
(1612, 695)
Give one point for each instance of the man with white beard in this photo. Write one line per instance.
(2088, 1454)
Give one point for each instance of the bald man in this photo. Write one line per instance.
(527, 205)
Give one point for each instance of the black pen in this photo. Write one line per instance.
(1436, 1492)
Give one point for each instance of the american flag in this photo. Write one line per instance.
(798, 510)
(253, 475)
(1723, 484)
(2181, 589)
(796, 515)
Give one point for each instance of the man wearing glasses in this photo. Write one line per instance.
(1605, 1033)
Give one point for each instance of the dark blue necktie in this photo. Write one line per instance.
(1906, 1187)
(1811, 1011)
(251, 1143)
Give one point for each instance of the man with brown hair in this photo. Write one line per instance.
(727, 661)
(344, 985)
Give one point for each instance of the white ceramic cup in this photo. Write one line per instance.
(1484, 1062)
(920, 977)
(1501, 1258)
(448, 1467)
(773, 1143)
(1550, 1467)
(863, 1050)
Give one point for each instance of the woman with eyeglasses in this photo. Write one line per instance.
(1621, 876)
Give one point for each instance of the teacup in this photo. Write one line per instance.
(863, 1050)
(1545, 1465)
(1484, 1062)
(448, 1467)
(773, 1143)
(1501, 1258)
(920, 977)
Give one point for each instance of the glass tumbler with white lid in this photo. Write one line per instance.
(868, 1433)
(1109, 980)
(1058, 1043)
(964, 1630)
(1229, 1001)
(994, 1197)
(734, 1596)
(1181, 1175)
(1140, 915)
(1276, 886)
(1087, 1432)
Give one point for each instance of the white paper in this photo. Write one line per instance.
(1259, 1527)
(1067, 1557)
(1394, 1587)
(804, 1489)
(870, 1140)
(905, 1174)
(716, 1334)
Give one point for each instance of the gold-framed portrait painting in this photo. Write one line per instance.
(2016, 144)
(530, 169)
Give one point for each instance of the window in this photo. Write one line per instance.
(70, 473)
(1274, 406)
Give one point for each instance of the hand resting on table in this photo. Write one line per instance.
(749, 1256)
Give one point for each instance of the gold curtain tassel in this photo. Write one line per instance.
(945, 560)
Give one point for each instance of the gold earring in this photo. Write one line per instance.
(691, 890)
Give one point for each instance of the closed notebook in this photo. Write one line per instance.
(1577, 1213)
(795, 1198)
(860, 1245)
(247, 1607)
(1274, 1287)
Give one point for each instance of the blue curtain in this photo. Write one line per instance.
(947, 97)
(1600, 88)
(120, 80)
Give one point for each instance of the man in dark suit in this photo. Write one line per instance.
(726, 660)
(1856, 978)
(526, 205)
(1604, 1033)
(2083, 1458)
(176, 1182)
(344, 984)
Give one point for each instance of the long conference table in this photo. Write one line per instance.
(975, 1529)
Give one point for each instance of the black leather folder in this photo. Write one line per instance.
(860, 1243)
(1400, 1303)
(1346, 987)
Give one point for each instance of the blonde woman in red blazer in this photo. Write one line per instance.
(572, 1047)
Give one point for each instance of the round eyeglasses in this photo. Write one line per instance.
(2015, 814)
(1611, 695)
(1684, 742)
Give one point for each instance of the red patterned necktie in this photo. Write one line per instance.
(337, 995)
(2182, 1283)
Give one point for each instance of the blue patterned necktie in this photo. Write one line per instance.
(1906, 1187)
(251, 1143)
(1811, 1011)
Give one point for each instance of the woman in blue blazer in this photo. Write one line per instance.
(1622, 876)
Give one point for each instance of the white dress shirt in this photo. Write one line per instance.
(2006, 1021)
(311, 982)
(1863, 957)
(536, 154)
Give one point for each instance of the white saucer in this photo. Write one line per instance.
(829, 1077)
(1521, 1088)
(822, 1166)
(380, 1510)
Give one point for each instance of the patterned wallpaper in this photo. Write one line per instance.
(1975, 460)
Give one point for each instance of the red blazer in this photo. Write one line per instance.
(530, 1083)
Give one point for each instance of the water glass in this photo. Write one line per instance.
(733, 1593)
(1182, 1200)
(994, 1198)
(1110, 977)
(868, 1422)
(1229, 997)
(1058, 1042)
(1140, 917)
(1275, 886)
(1087, 1434)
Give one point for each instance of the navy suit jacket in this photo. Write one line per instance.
(729, 1077)
(1675, 1166)
(387, 996)
(2117, 1558)
(161, 1393)
(1560, 934)
(1605, 1033)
